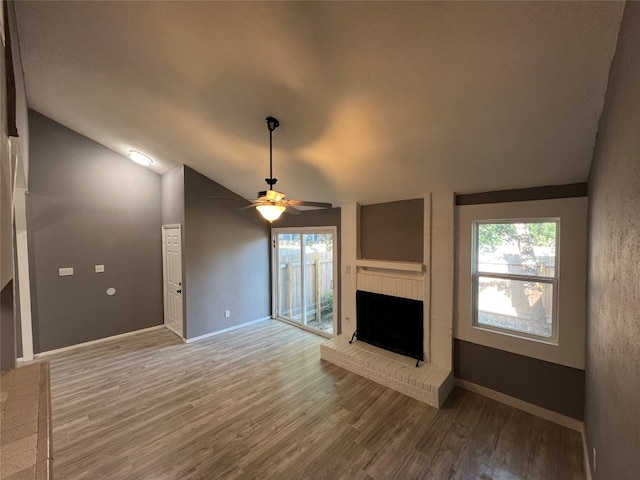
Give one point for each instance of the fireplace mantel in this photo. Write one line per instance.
(391, 266)
(398, 279)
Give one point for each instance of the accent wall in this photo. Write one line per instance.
(225, 258)
(612, 413)
(87, 206)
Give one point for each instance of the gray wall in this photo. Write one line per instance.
(612, 414)
(226, 258)
(6, 186)
(22, 113)
(89, 205)
(329, 217)
(173, 196)
(7, 333)
(393, 231)
(7, 322)
(548, 385)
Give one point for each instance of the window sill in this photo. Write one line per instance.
(514, 334)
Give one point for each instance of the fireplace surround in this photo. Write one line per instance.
(430, 282)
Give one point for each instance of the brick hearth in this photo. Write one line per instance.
(427, 383)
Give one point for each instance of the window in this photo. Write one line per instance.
(515, 277)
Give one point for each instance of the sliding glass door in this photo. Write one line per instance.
(304, 277)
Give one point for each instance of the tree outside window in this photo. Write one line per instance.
(515, 276)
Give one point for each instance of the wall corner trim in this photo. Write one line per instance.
(555, 417)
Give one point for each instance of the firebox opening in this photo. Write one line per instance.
(393, 323)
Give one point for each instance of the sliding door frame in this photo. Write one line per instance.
(275, 271)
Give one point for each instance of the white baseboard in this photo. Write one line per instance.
(555, 417)
(135, 332)
(94, 342)
(550, 415)
(225, 330)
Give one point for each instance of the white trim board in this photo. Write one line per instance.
(224, 330)
(390, 265)
(555, 417)
(135, 332)
(22, 252)
(94, 342)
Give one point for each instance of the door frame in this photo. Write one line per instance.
(21, 268)
(275, 272)
(164, 278)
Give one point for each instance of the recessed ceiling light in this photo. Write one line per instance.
(140, 158)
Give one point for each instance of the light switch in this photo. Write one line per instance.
(65, 272)
(99, 268)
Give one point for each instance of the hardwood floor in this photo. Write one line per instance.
(259, 403)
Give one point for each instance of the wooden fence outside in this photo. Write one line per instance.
(318, 280)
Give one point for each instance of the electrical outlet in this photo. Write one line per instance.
(99, 268)
(594, 459)
(65, 272)
(227, 313)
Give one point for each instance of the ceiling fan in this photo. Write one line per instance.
(271, 203)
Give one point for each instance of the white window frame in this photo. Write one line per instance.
(554, 281)
(573, 214)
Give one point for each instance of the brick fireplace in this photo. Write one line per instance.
(430, 282)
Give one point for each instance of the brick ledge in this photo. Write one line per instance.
(429, 383)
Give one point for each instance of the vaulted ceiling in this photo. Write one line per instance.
(377, 101)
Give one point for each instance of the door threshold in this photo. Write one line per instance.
(304, 327)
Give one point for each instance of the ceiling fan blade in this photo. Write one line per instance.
(252, 205)
(292, 211)
(305, 203)
(228, 198)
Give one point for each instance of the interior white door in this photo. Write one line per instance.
(172, 269)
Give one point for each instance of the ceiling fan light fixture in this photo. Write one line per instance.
(270, 212)
(140, 158)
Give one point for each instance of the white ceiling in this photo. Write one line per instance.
(377, 101)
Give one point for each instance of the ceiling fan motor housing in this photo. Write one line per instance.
(271, 196)
(272, 123)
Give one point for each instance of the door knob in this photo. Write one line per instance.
(179, 291)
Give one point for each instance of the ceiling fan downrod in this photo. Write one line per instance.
(272, 124)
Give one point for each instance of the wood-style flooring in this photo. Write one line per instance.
(258, 403)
